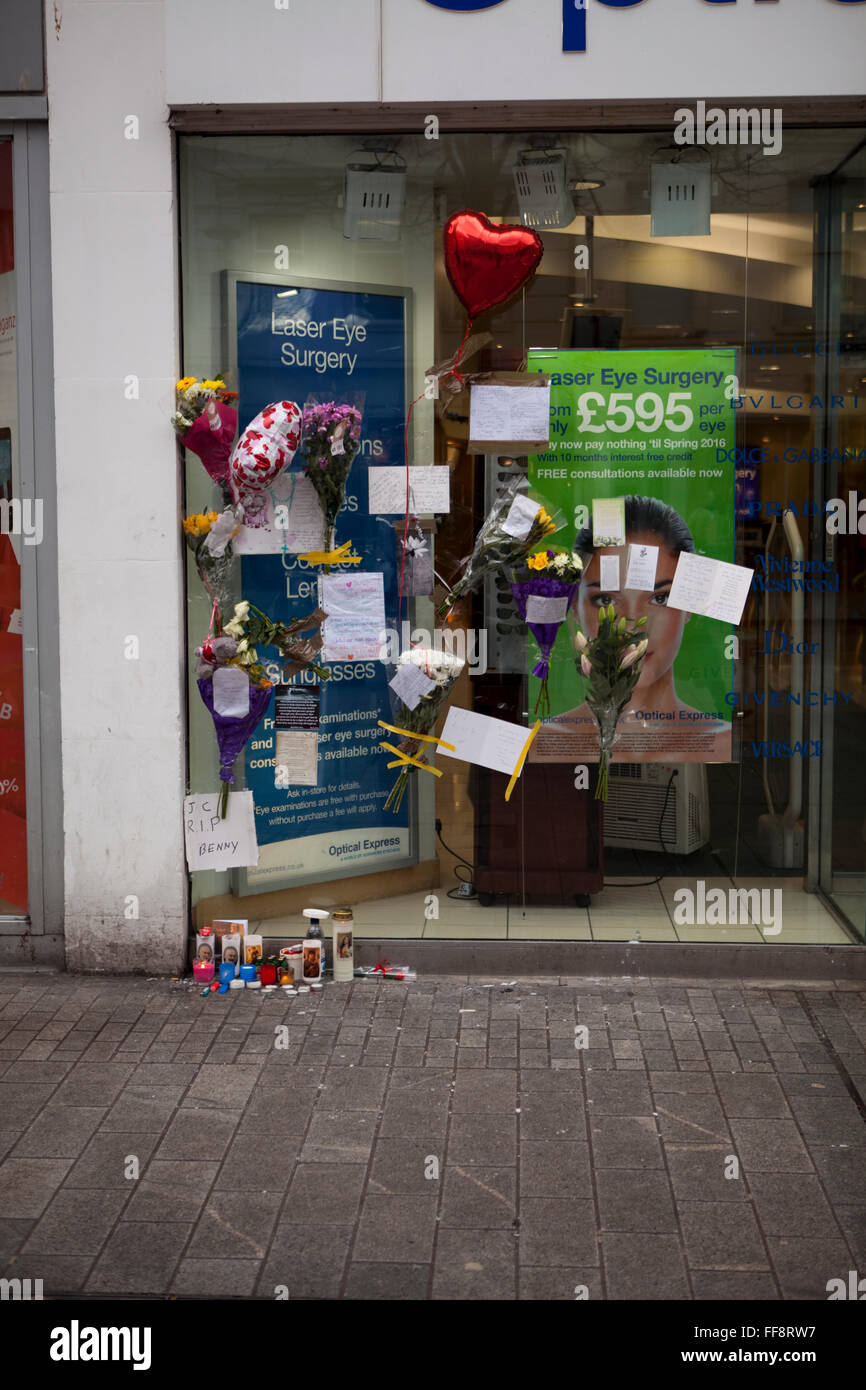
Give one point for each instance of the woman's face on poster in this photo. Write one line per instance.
(664, 626)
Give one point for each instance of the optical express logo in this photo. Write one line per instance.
(574, 14)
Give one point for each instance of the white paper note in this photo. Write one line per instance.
(493, 743)
(355, 605)
(15, 624)
(296, 760)
(212, 843)
(521, 515)
(712, 588)
(429, 490)
(410, 684)
(292, 515)
(545, 608)
(509, 413)
(231, 692)
(609, 577)
(641, 567)
(608, 521)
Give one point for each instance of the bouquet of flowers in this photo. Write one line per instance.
(331, 439)
(236, 711)
(514, 527)
(543, 589)
(206, 422)
(424, 680)
(251, 628)
(611, 663)
(209, 536)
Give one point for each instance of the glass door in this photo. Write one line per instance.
(840, 477)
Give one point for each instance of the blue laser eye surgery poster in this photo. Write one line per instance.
(294, 342)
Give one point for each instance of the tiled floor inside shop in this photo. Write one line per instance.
(448, 1138)
(620, 913)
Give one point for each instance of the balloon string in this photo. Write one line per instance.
(214, 613)
(412, 406)
(453, 372)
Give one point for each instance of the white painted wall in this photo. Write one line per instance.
(326, 50)
(113, 276)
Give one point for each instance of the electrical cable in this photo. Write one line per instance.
(650, 883)
(462, 863)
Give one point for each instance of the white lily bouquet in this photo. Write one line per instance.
(611, 663)
(420, 688)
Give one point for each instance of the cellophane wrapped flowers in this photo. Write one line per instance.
(191, 397)
(611, 662)
(439, 670)
(209, 536)
(206, 420)
(509, 535)
(543, 588)
(331, 437)
(252, 628)
(232, 730)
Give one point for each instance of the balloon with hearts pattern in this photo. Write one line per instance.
(264, 449)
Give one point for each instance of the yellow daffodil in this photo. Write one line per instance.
(186, 382)
(538, 562)
(217, 385)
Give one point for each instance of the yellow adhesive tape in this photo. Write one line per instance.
(425, 738)
(340, 556)
(404, 758)
(521, 760)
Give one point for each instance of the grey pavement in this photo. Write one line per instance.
(440, 1139)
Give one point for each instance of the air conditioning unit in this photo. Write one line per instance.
(636, 799)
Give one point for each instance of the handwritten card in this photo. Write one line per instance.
(410, 684)
(231, 692)
(291, 518)
(609, 576)
(641, 567)
(355, 605)
(212, 843)
(542, 608)
(429, 490)
(493, 743)
(521, 515)
(512, 415)
(712, 588)
(608, 521)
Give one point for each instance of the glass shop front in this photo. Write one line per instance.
(584, 505)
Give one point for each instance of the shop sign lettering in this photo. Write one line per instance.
(574, 14)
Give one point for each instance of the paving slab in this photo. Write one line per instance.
(434, 1140)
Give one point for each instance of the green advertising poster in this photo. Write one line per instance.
(657, 429)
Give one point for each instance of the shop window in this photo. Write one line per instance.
(700, 376)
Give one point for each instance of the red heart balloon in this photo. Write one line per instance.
(488, 262)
